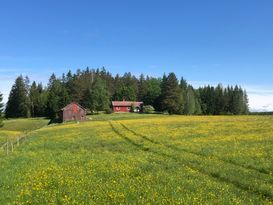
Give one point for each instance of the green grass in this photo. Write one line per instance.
(15, 128)
(24, 125)
(121, 116)
(141, 159)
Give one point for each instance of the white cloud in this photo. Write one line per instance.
(260, 98)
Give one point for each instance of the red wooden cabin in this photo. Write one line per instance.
(73, 111)
(125, 106)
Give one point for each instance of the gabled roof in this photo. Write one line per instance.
(73, 103)
(126, 103)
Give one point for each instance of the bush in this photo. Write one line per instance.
(148, 109)
(108, 111)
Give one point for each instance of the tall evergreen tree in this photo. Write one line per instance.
(172, 99)
(18, 104)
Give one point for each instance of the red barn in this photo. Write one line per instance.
(73, 111)
(125, 106)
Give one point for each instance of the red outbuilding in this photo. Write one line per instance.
(73, 111)
(125, 106)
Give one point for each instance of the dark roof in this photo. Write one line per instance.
(67, 106)
(126, 103)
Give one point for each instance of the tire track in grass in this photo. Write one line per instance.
(262, 171)
(260, 192)
(140, 146)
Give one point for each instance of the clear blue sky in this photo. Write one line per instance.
(228, 41)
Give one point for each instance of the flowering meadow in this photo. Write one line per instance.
(152, 159)
(16, 128)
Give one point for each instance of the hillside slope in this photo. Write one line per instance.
(163, 159)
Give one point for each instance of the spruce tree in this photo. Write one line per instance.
(18, 104)
(172, 99)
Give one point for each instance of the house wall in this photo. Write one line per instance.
(74, 112)
(121, 109)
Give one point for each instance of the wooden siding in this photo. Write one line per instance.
(72, 112)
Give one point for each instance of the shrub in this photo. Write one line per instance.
(148, 109)
(108, 111)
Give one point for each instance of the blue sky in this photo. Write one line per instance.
(207, 42)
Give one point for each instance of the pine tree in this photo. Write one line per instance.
(171, 97)
(18, 104)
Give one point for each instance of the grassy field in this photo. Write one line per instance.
(15, 128)
(143, 159)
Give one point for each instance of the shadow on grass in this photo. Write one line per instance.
(54, 121)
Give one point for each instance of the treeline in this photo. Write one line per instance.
(94, 89)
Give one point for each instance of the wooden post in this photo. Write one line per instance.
(11, 144)
(18, 141)
(7, 150)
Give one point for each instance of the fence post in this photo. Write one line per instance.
(18, 141)
(7, 150)
(11, 144)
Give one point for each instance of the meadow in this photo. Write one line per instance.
(17, 128)
(141, 159)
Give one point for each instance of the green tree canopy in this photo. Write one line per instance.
(99, 96)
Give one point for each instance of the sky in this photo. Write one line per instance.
(206, 42)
